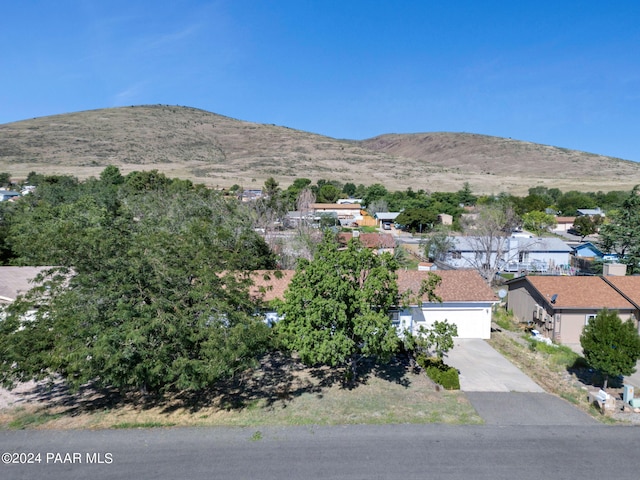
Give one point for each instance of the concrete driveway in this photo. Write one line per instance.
(483, 369)
(502, 394)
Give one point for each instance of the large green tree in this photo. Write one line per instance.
(621, 233)
(336, 309)
(145, 296)
(610, 345)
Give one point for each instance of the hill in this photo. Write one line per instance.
(221, 151)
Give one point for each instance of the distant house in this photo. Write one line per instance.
(250, 195)
(467, 301)
(386, 219)
(588, 250)
(560, 306)
(8, 195)
(512, 253)
(379, 242)
(563, 224)
(590, 212)
(346, 213)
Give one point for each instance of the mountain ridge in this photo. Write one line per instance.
(219, 151)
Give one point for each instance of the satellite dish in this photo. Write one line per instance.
(502, 293)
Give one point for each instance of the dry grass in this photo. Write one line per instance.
(281, 393)
(221, 151)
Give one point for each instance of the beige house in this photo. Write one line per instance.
(560, 306)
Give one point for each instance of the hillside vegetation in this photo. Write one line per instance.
(221, 151)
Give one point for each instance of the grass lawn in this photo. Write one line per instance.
(282, 392)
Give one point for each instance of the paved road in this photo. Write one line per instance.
(354, 452)
(502, 394)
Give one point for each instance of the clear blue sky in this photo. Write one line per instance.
(563, 73)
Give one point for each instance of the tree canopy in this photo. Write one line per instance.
(145, 293)
(336, 307)
(610, 345)
(621, 234)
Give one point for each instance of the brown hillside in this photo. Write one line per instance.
(220, 151)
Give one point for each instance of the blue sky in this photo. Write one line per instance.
(563, 73)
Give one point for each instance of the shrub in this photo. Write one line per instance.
(440, 372)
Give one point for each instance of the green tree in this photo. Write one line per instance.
(538, 222)
(5, 179)
(571, 201)
(374, 192)
(437, 245)
(610, 345)
(465, 196)
(586, 225)
(146, 296)
(349, 189)
(621, 234)
(328, 193)
(111, 175)
(418, 219)
(336, 307)
(271, 187)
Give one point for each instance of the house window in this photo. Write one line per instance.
(588, 318)
(523, 257)
(456, 255)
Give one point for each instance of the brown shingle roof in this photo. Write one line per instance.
(270, 284)
(628, 285)
(456, 285)
(377, 240)
(579, 292)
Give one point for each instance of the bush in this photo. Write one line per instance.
(440, 372)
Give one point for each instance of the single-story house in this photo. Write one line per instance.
(560, 306)
(590, 212)
(380, 242)
(347, 213)
(467, 301)
(8, 195)
(588, 250)
(563, 224)
(512, 253)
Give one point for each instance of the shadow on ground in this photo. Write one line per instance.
(588, 376)
(279, 379)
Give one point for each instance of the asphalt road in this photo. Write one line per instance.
(354, 452)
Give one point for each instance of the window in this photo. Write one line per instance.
(587, 318)
(456, 255)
